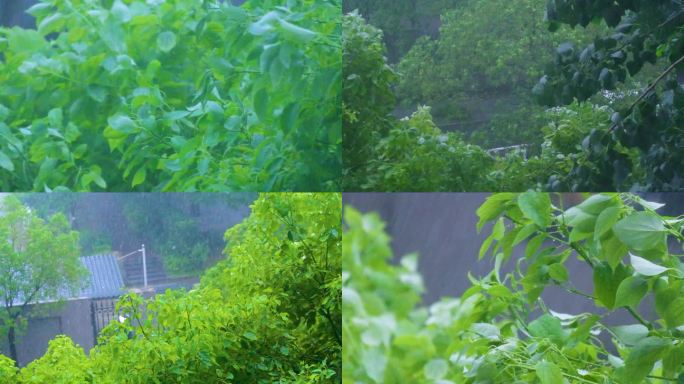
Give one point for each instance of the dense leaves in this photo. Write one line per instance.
(172, 95)
(501, 330)
(269, 313)
(641, 34)
(39, 262)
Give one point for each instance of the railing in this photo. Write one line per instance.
(502, 151)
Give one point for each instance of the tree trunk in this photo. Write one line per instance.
(12, 344)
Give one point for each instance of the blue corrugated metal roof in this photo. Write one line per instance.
(104, 278)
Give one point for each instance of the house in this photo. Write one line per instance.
(82, 315)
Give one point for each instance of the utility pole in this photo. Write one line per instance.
(144, 266)
(144, 262)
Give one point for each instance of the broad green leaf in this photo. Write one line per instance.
(6, 162)
(631, 291)
(613, 250)
(630, 334)
(580, 220)
(297, 33)
(645, 267)
(547, 326)
(605, 221)
(436, 369)
(641, 231)
(486, 330)
(606, 282)
(52, 23)
(166, 41)
(596, 204)
(548, 372)
(558, 272)
(176, 115)
(122, 123)
(25, 40)
(536, 206)
(533, 245)
(641, 359)
(493, 207)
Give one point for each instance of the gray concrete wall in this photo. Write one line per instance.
(73, 319)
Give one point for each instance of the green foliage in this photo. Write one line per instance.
(180, 95)
(63, 363)
(641, 34)
(483, 46)
(368, 99)
(7, 369)
(402, 21)
(269, 313)
(39, 260)
(494, 332)
(417, 156)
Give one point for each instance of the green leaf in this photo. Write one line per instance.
(596, 204)
(547, 326)
(139, 177)
(436, 369)
(630, 334)
(524, 233)
(166, 41)
(548, 372)
(25, 40)
(6, 162)
(536, 206)
(122, 123)
(176, 115)
(606, 282)
(52, 23)
(631, 291)
(534, 244)
(297, 33)
(674, 314)
(261, 104)
(642, 357)
(613, 250)
(250, 336)
(499, 229)
(558, 272)
(493, 206)
(641, 231)
(645, 267)
(486, 330)
(605, 221)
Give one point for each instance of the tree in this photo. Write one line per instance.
(642, 32)
(367, 97)
(39, 260)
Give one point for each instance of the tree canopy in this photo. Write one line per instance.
(40, 262)
(172, 95)
(269, 313)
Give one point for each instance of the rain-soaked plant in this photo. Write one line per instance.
(494, 332)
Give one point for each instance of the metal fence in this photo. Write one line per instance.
(103, 312)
